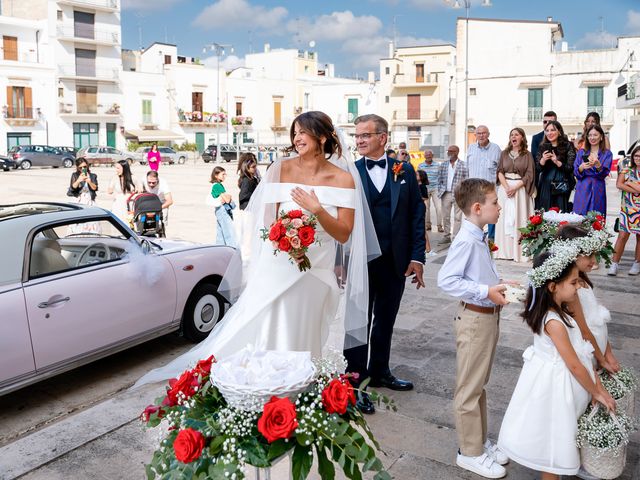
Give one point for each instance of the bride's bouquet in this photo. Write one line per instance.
(293, 232)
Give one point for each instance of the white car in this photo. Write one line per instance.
(76, 284)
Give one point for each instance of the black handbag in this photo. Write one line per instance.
(71, 192)
(560, 187)
(616, 225)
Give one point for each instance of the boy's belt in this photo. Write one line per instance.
(480, 309)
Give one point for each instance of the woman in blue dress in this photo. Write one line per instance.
(592, 165)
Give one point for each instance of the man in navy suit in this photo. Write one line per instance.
(538, 137)
(398, 213)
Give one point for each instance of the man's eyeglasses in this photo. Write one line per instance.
(403, 154)
(152, 184)
(366, 136)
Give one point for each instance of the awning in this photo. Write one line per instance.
(153, 135)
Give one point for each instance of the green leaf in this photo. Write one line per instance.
(382, 475)
(325, 466)
(279, 448)
(304, 439)
(257, 453)
(150, 473)
(301, 462)
(373, 463)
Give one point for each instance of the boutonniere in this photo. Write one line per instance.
(492, 246)
(397, 171)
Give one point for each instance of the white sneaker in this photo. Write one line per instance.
(494, 452)
(613, 270)
(483, 465)
(635, 268)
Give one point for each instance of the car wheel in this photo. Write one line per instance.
(181, 160)
(67, 163)
(203, 310)
(205, 160)
(25, 165)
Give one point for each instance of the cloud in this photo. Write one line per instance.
(633, 22)
(229, 63)
(335, 27)
(597, 40)
(428, 4)
(231, 14)
(147, 5)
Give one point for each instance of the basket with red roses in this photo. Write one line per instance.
(293, 232)
(207, 438)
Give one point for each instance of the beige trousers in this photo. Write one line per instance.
(476, 340)
(448, 202)
(433, 199)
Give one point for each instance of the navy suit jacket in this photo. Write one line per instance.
(535, 143)
(407, 214)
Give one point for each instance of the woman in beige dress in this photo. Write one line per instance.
(516, 176)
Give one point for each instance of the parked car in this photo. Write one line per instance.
(77, 284)
(209, 154)
(167, 155)
(27, 156)
(103, 155)
(72, 150)
(6, 163)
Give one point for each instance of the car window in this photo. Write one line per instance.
(77, 246)
(38, 148)
(110, 150)
(92, 150)
(165, 150)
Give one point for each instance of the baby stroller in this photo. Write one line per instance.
(146, 214)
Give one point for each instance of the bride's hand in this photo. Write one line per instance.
(308, 201)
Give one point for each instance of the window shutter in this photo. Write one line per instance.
(28, 110)
(10, 101)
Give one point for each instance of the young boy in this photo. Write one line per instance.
(470, 274)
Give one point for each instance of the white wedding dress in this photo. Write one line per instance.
(280, 308)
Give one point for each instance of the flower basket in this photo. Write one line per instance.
(602, 439)
(621, 386)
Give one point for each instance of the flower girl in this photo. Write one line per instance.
(557, 380)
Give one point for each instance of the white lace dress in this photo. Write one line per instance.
(540, 425)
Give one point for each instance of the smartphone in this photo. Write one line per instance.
(585, 158)
(84, 170)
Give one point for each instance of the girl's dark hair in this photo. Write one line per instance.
(80, 161)
(243, 158)
(594, 115)
(563, 143)
(602, 146)
(244, 172)
(318, 125)
(126, 180)
(524, 146)
(534, 315)
(214, 173)
(424, 179)
(633, 162)
(567, 232)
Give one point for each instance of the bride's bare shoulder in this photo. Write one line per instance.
(341, 178)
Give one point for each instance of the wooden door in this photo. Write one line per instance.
(413, 106)
(10, 47)
(196, 101)
(277, 114)
(420, 72)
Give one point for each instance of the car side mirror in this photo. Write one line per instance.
(621, 152)
(145, 245)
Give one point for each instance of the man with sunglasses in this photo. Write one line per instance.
(537, 138)
(152, 184)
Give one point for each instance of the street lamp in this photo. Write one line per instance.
(467, 5)
(218, 51)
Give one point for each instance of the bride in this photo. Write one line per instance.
(281, 308)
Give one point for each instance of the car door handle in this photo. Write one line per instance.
(54, 302)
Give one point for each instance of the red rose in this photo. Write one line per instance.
(535, 219)
(294, 214)
(203, 367)
(278, 419)
(596, 225)
(276, 231)
(150, 410)
(186, 384)
(564, 222)
(600, 218)
(337, 395)
(188, 445)
(307, 235)
(554, 209)
(284, 244)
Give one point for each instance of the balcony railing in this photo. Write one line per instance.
(88, 109)
(599, 109)
(422, 115)
(72, 32)
(22, 56)
(106, 74)
(20, 116)
(197, 118)
(21, 112)
(534, 114)
(402, 79)
(99, 4)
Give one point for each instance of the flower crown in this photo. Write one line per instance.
(564, 252)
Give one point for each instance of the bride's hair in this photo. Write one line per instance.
(318, 125)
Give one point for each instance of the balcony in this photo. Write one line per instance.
(242, 123)
(201, 119)
(414, 117)
(105, 75)
(20, 117)
(90, 36)
(606, 118)
(23, 56)
(401, 80)
(101, 5)
(534, 114)
(88, 110)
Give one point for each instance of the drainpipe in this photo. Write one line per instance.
(38, 46)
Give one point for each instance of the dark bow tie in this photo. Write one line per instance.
(372, 163)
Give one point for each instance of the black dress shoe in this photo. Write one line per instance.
(364, 404)
(391, 382)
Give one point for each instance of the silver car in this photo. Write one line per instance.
(167, 155)
(96, 155)
(27, 156)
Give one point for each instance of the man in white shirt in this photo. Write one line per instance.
(451, 174)
(153, 185)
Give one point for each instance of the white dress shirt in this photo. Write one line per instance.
(483, 161)
(469, 270)
(451, 172)
(378, 175)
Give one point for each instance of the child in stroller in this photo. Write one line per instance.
(145, 211)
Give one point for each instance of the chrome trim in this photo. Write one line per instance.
(55, 302)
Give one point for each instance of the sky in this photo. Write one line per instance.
(353, 35)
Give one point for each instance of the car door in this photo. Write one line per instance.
(15, 342)
(53, 157)
(38, 156)
(82, 298)
(165, 154)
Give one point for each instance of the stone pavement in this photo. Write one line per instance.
(107, 442)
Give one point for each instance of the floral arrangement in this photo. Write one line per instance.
(492, 246)
(542, 228)
(397, 170)
(219, 117)
(240, 120)
(624, 382)
(209, 438)
(293, 232)
(605, 432)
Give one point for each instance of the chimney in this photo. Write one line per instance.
(392, 49)
(371, 77)
(267, 48)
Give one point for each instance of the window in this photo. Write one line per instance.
(59, 15)
(15, 139)
(196, 101)
(420, 72)
(307, 101)
(595, 100)
(85, 134)
(19, 102)
(387, 70)
(86, 99)
(85, 62)
(238, 109)
(167, 59)
(83, 25)
(352, 109)
(534, 113)
(413, 106)
(277, 113)
(472, 91)
(147, 113)
(386, 99)
(60, 92)
(10, 47)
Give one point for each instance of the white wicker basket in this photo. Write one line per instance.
(604, 465)
(627, 403)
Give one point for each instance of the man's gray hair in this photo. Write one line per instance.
(381, 124)
(152, 173)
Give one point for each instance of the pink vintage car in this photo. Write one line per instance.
(76, 285)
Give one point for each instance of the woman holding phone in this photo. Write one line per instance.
(591, 167)
(83, 187)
